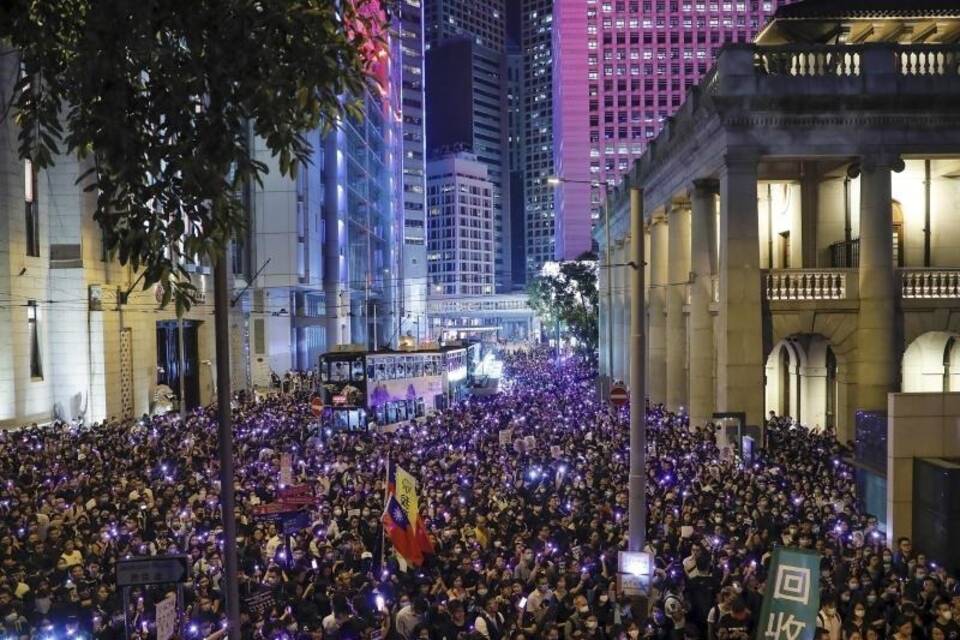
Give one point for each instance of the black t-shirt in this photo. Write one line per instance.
(731, 628)
(951, 630)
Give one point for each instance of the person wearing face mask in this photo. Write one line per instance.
(829, 619)
(945, 622)
(578, 619)
(856, 626)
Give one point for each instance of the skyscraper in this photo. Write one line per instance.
(408, 67)
(467, 99)
(620, 68)
(536, 28)
(461, 238)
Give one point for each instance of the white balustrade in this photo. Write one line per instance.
(806, 284)
(929, 283)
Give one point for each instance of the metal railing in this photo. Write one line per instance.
(806, 284)
(807, 61)
(929, 283)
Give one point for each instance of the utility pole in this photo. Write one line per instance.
(221, 303)
(638, 387)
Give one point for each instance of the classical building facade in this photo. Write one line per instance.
(802, 221)
(79, 337)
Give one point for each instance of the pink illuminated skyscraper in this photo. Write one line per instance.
(620, 67)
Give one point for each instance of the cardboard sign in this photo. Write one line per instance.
(286, 469)
(166, 615)
(505, 437)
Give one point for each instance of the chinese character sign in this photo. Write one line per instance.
(792, 596)
(407, 494)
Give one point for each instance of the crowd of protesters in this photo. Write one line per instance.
(525, 535)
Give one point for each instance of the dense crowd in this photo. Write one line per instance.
(525, 535)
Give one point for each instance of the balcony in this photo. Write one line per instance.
(788, 285)
(853, 70)
(925, 284)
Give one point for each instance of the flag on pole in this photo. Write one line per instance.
(401, 516)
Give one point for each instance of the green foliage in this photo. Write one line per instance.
(158, 98)
(570, 293)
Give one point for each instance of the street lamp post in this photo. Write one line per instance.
(557, 181)
(637, 486)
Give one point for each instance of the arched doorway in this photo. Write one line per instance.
(931, 363)
(782, 388)
(802, 381)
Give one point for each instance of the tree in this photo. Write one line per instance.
(568, 291)
(159, 96)
(159, 99)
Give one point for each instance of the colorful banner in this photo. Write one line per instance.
(792, 596)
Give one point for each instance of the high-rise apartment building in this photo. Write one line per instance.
(407, 58)
(461, 234)
(536, 29)
(620, 68)
(467, 99)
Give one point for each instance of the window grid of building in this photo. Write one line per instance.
(460, 237)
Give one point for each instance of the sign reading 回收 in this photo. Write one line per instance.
(792, 596)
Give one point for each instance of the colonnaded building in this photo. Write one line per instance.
(802, 221)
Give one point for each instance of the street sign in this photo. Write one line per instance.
(316, 406)
(166, 616)
(619, 395)
(143, 570)
(634, 569)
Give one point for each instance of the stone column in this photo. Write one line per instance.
(678, 274)
(876, 323)
(740, 326)
(703, 239)
(809, 205)
(657, 309)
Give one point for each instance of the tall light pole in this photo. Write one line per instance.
(637, 486)
(557, 181)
